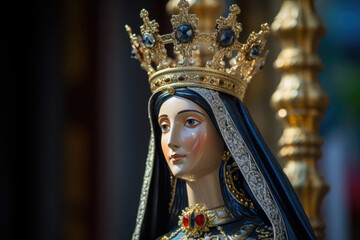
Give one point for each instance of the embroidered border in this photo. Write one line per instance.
(245, 161)
(146, 181)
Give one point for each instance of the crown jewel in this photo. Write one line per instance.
(165, 73)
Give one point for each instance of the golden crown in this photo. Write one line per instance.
(244, 59)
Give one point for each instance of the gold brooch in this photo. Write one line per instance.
(195, 220)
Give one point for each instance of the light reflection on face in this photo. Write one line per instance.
(190, 142)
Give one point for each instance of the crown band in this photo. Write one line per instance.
(171, 78)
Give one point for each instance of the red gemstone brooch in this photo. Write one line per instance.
(193, 221)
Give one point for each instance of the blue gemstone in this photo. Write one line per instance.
(148, 40)
(184, 33)
(226, 37)
(254, 52)
(192, 220)
(134, 54)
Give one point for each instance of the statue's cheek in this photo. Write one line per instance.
(193, 141)
(165, 148)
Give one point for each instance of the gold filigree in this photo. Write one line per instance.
(146, 186)
(238, 193)
(173, 181)
(264, 233)
(232, 26)
(188, 220)
(195, 228)
(243, 232)
(151, 52)
(172, 235)
(218, 216)
(186, 48)
(251, 61)
(225, 156)
(157, 52)
(245, 161)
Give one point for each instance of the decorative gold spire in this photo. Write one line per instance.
(301, 102)
(219, 73)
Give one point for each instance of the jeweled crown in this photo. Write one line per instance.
(244, 60)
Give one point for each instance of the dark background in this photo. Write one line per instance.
(74, 128)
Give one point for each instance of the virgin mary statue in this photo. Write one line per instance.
(209, 174)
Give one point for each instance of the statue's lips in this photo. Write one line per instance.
(176, 157)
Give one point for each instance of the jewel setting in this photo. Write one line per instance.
(196, 220)
(254, 52)
(226, 37)
(193, 221)
(148, 40)
(184, 33)
(134, 54)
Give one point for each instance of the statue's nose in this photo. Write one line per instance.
(174, 139)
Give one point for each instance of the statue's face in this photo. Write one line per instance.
(190, 142)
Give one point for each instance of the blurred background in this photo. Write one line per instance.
(75, 129)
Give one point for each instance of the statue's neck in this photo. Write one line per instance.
(205, 190)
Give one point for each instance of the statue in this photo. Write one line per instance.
(209, 173)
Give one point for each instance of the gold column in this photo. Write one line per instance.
(300, 103)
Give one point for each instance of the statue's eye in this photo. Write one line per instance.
(192, 122)
(165, 128)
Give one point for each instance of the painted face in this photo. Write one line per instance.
(190, 142)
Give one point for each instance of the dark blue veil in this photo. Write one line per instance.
(156, 217)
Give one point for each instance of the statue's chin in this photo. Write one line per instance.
(184, 176)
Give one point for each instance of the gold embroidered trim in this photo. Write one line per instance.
(147, 179)
(173, 181)
(188, 221)
(245, 161)
(264, 234)
(219, 216)
(243, 232)
(238, 193)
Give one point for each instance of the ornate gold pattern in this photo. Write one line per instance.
(146, 181)
(218, 216)
(225, 156)
(190, 212)
(222, 232)
(238, 193)
(174, 234)
(185, 71)
(145, 187)
(300, 102)
(213, 218)
(173, 181)
(245, 162)
(197, 77)
(186, 49)
(243, 232)
(265, 234)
